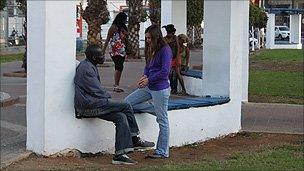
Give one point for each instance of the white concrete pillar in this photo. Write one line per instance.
(270, 33)
(51, 69)
(295, 28)
(174, 12)
(245, 53)
(143, 26)
(223, 48)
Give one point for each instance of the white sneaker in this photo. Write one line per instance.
(117, 89)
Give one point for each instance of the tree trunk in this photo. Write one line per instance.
(95, 14)
(94, 36)
(190, 36)
(197, 36)
(135, 12)
(154, 11)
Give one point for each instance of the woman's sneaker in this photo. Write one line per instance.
(117, 89)
(155, 156)
(123, 159)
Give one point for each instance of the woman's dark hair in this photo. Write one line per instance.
(120, 21)
(157, 42)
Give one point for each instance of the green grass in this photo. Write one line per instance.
(288, 157)
(283, 55)
(11, 57)
(271, 86)
(278, 84)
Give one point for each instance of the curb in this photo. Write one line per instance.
(21, 74)
(9, 102)
(127, 60)
(272, 104)
(15, 159)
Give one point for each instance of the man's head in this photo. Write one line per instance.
(94, 54)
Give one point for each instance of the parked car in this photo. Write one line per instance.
(282, 32)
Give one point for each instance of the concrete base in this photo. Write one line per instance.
(201, 124)
(286, 46)
(194, 86)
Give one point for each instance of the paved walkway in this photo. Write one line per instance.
(276, 118)
(273, 118)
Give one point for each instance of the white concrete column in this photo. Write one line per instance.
(245, 53)
(270, 33)
(224, 48)
(295, 28)
(51, 69)
(174, 12)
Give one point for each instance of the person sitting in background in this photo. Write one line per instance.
(184, 51)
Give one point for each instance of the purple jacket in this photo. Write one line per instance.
(157, 70)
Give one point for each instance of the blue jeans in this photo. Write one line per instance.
(138, 100)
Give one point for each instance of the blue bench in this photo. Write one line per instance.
(186, 103)
(192, 73)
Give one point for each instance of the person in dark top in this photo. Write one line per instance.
(117, 37)
(92, 101)
(172, 40)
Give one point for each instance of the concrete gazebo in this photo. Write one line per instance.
(295, 29)
(51, 123)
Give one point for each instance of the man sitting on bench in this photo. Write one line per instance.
(92, 101)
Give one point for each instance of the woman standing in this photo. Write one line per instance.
(117, 37)
(154, 84)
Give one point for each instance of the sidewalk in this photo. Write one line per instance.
(274, 118)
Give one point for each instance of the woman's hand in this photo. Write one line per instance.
(143, 82)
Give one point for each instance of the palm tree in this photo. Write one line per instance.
(95, 14)
(194, 20)
(154, 11)
(2, 4)
(136, 14)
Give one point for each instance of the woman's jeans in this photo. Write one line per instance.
(138, 100)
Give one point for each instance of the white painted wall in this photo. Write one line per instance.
(51, 69)
(245, 53)
(270, 33)
(223, 48)
(142, 29)
(194, 86)
(295, 28)
(216, 52)
(186, 126)
(174, 12)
